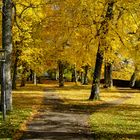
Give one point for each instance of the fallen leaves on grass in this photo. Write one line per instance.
(26, 102)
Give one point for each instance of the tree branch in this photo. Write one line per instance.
(15, 18)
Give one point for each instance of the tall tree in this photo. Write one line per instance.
(102, 32)
(7, 45)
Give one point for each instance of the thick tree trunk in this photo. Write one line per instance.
(96, 77)
(7, 45)
(108, 75)
(85, 75)
(102, 32)
(61, 74)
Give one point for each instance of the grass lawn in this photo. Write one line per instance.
(107, 121)
(26, 101)
(118, 122)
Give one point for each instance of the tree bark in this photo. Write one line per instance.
(7, 45)
(82, 77)
(133, 79)
(23, 78)
(74, 75)
(96, 76)
(61, 74)
(108, 75)
(14, 74)
(85, 75)
(102, 32)
(35, 79)
(15, 70)
(30, 77)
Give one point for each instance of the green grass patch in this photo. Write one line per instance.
(26, 101)
(118, 122)
(107, 122)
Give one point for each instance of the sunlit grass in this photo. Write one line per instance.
(26, 101)
(118, 122)
(81, 93)
(121, 121)
(106, 121)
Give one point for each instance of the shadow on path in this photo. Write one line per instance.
(60, 121)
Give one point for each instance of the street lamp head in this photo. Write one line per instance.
(2, 55)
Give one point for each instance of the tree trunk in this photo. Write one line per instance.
(30, 77)
(15, 70)
(82, 77)
(7, 45)
(39, 80)
(96, 76)
(56, 75)
(35, 79)
(102, 32)
(74, 75)
(108, 75)
(133, 79)
(85, 75)
(23, 78)
(23, 82)
(61, 74)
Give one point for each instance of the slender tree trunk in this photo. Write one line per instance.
(108, 75)
(15, 70)
(82, 77)
(23, 78)
(35, 79)
(39, 80)
(7, 45)
(30, 77)
(85, 75)
(74, 75)
(61, 74)
(102, 32)
(23, 82)
(133, 79)
(56, 74)
(14, 74)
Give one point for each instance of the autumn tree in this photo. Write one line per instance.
(27, 52)
(102, 32)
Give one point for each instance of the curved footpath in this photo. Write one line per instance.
(60, 121)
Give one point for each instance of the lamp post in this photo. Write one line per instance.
(3, 96)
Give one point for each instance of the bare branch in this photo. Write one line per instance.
(15, 19)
